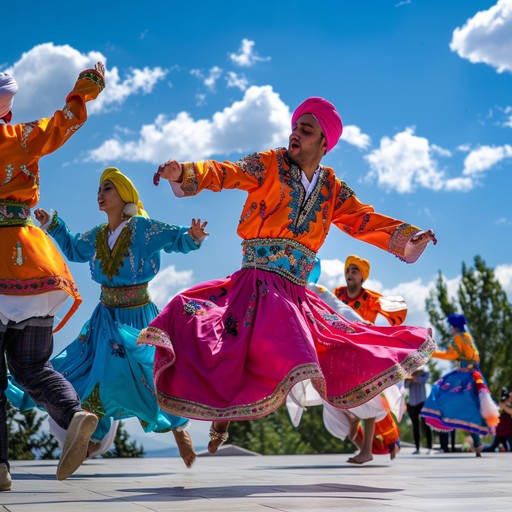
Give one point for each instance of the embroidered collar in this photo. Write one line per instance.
(303, 209)
(112, 260)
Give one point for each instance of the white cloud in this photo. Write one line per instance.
(405, 162)
(200, 99)
(167, 283)
(487, 37)
(236, 80)
(333, 273)
(352, 134)
(484, 158)
(246, 56)
(209, 80)
(118, 90)
(504, 275)
(47, 73)
(508, 122)
(259, 121)
(440, 151)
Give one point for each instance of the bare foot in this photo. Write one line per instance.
(356, 434)
(360, 458)
(185, 446)
(218, 435)
(394, 452)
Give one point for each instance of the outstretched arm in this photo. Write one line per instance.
(48, 134)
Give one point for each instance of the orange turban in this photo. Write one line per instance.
(362, 264)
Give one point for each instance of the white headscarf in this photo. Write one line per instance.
(8, 88)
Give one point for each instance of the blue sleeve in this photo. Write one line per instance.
(76, 247)
(162, 236)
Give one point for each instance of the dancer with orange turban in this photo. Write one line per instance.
(232, 348)
(381, 434)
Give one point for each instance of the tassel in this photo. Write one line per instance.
(488, 408)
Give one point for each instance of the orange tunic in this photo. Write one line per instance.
(368, 304)
(277, 207)
(461, 349)
(30, 263)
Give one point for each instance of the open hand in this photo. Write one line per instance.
(197, 231)
(100, 68)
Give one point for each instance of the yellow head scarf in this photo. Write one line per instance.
(125, 188)
(362, 264)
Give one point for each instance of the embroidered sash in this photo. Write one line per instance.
(284, 256)
(14, 213)
(125, 296)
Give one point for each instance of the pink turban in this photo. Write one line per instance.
(326, 115)
(8, 88)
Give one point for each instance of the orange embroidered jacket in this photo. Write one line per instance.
(461, 349)
(30, 264)
(369, 304)
(277, 207)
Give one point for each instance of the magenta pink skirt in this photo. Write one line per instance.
(231, 349)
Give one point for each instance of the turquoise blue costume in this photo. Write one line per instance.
(111, 373)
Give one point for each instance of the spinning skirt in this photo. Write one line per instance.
(111, 373)
(232, 349)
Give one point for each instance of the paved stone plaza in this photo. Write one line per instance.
(438, 482)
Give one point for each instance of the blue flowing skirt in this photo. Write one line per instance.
(111, 373)
(453, 403)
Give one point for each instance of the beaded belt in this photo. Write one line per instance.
(468, 367)
(283, 256)
(14, 213)
(125, 296)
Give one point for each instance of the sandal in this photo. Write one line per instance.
(216, 436)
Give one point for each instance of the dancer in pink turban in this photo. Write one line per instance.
(327, 117)
(232, 348)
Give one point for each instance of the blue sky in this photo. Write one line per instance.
(423, 87)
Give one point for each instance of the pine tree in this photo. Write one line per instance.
(484, 303)
(26, 441)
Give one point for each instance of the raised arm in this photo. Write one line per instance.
(76, 247)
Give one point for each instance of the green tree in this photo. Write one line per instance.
(26, 441)
(123, 447)
(485, 305)
(275, 435)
